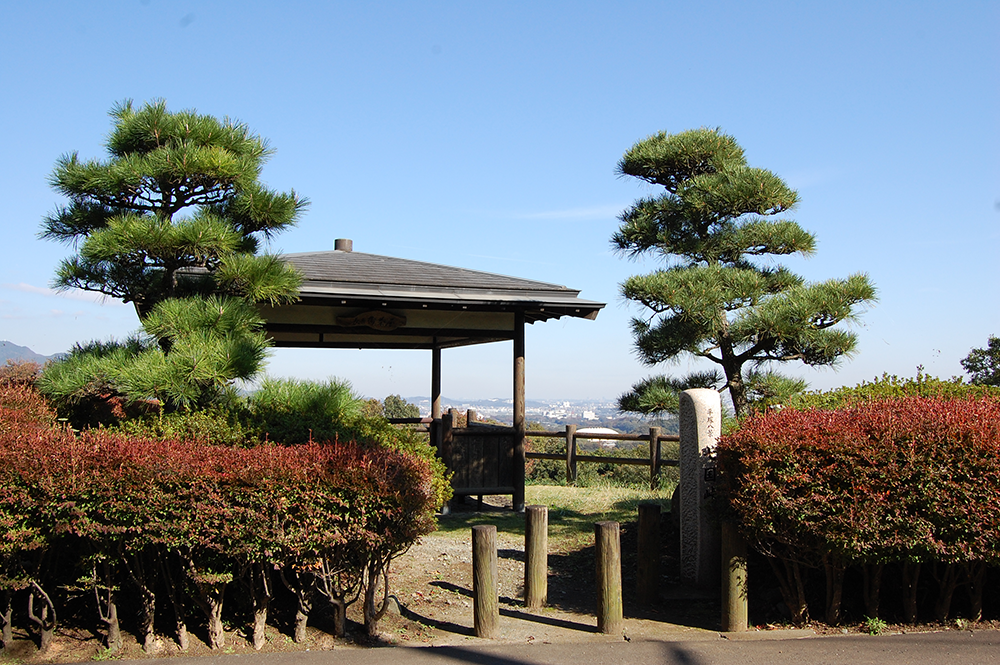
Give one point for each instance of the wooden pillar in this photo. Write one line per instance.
(485, 592)
(734, 580)
(436, 398)
(536, 556)
(608, 560)
(519, 425)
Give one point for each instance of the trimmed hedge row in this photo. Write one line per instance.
(913, 482)
(121, 513)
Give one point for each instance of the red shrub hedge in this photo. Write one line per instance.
(211, 512)
(911, 481)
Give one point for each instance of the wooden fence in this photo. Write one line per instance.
(468, 463)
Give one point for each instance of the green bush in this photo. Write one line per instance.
(222, 426)
(890, 387)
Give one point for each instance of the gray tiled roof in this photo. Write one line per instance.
(361, 268)
(335, 273)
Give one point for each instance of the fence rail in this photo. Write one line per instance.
(654, 461)
(571, 434)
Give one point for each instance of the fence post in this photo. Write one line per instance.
(470, 417)
(447, 438)
(647, 580)
(570, 454)
(700, 425)
(608, 558)
(734, 580)
(485, 598)
(654, 458)
(536, 556)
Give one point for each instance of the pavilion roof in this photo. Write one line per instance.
(357, 276)
(351, 299)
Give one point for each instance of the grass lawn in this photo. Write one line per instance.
(572, 512)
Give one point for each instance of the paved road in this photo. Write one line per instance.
(964, 648)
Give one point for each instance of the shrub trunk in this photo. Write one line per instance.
(975, 576)
(6, 614)
(872, 588)
(911, 576)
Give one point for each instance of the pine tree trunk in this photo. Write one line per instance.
(733, 370)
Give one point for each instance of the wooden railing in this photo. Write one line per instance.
(654, 460)
(571, 434)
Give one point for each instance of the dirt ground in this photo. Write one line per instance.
(432, 605)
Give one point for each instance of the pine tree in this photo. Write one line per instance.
(718, 296)
(173, 222)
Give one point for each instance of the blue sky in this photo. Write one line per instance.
(485, 135)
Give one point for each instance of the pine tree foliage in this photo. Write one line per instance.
(657, 395)
(174, 222)
(719, 296)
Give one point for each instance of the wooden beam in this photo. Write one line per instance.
(436, 398)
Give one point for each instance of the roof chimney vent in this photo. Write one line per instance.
(343, 245)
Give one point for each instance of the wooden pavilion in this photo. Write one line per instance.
(354, 300)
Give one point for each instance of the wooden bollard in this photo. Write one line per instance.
(536, 556)
(734, 580)
(608, 558)
(486, 604)
(647, 579)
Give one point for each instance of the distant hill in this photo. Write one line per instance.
(11, 351)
